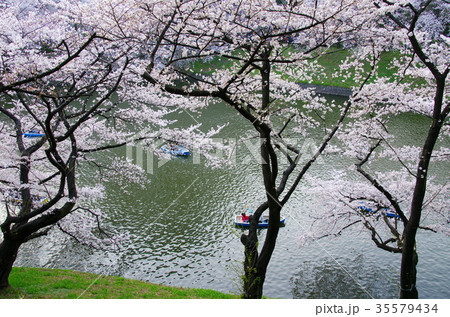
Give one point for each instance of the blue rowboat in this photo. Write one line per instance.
(175, 150)
(389, 213)
(33, 134)
(366, 209)
(263, 223)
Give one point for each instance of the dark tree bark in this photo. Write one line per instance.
(409, 255)
(255, 265)
(8, 254)
(18, 230)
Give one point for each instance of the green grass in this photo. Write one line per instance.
(333, 59)
(54, 283)
(330, 63)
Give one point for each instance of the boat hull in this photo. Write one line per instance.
(33, 134)
(262, 224)
(176, 151)
(387, 212)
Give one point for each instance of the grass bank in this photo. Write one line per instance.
(330, 63)
(54, 283)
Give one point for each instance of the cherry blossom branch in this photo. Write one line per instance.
(51, 71)
(379, 242)
(398, 157)
(377, 185)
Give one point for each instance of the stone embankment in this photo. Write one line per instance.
(329, 90)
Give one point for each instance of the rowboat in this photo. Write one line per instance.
(15, 199)
(33, 134)
(387, 212)
(175, 150)
(263, 223)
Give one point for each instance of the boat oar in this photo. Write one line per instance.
(249, 209)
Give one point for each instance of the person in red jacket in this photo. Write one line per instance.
(244, 217)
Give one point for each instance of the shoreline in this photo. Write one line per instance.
(51, 283)
(328, 90)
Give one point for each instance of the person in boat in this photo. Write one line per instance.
(244, 217)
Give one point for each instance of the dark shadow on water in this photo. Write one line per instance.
(355, 279)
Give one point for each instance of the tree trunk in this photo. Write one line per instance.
(408, 270)
(255, 268)
(255, 265)
(409, 256)
(408, 288)
(8, 254)
(252, 285)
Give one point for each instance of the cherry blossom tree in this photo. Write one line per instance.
(258, 51)
(67, 66)
(56, 82)
(394, 204)
(61, 92)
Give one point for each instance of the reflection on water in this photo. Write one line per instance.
(181, 233)
(356, 277)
